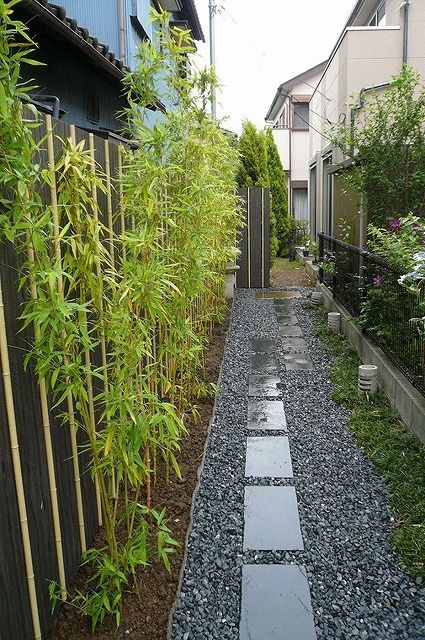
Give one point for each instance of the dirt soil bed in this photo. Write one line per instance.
(147, 618)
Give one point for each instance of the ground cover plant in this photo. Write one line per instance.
(397, 454)
(141, 289)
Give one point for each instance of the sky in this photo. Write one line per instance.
(259, 45)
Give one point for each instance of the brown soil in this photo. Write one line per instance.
(289, 274)
(147, 618)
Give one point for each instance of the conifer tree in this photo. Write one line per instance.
(253, 151)
(278, 193)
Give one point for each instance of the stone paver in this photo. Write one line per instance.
(276, 295)
(294, 344)
(288, 331)
(283, 319)
(263, 345)
(266, 415)
(276, 604)
(271, 519)
(295, 361)
(263, 363)
(268, 457)
(263, 386)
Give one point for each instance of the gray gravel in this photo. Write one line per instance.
(358, 588)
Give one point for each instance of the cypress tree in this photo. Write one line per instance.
(278, 193)
(253, 151)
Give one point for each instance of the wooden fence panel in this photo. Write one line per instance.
(254, 261)
(15, 612)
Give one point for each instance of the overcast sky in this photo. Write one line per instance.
(259, 45)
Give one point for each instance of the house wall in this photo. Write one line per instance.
(364, 56)
(69, 76)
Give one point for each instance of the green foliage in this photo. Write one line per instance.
(145, 296)
(279, 196)
(253, 168)
(397, 453)
(387, 143)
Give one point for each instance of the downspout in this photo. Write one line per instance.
(406, 5)
(291, 213)
(362, 99)
(121, 23)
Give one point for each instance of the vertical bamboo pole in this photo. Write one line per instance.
(98, 271)
(109, 203)
(89, 379)
(69, 399)
(49, 451)
(122, 216)
(17, 469)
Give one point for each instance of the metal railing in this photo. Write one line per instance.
(367, 286)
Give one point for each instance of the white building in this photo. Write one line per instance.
(377, 39)
(289, 117)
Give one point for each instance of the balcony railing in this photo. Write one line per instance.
(367, 286)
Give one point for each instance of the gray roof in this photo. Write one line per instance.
(286, 87)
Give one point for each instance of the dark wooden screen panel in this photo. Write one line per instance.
(254, 261)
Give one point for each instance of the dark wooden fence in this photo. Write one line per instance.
(254, 261)
(18, 615)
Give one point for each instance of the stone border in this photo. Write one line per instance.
(408, 401)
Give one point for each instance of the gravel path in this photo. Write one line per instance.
(358, 588)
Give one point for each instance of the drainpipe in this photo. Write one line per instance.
(406, 5)
(361, 103)
(121, 22)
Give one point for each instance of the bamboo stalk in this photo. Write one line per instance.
(122, 216)
(17, 470)
(109, 203)
(49, 450)
(98, 273)
(69, 399)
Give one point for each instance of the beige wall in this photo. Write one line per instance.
(364, 56)
(281, 138)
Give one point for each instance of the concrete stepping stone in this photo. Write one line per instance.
(294, 361)
(288, 331)
(276, 603)
(263, 386)
(263, 345)
(266, 415)
(271, 519)
(285, 320)
(268, 457)
(263, 363)
(272, 295)
(294, 345)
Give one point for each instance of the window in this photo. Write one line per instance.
(301, 115)
(283, 120)
(378, 18)
(92, 107)
(300, 204)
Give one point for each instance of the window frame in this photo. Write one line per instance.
(306, 126)
(373, 22)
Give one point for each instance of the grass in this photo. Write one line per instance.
(398, 455)
(283, 263)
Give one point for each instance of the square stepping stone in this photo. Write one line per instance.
(294, 361)
(267, 295)
(285, 320)
(294, 345)
(263, 363)
(266, 415)
(263, 345)
(268, 457)
(287, 331)
(276, 603)
(263, 386)
(271, 519)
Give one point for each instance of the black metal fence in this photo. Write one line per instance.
(367, 285)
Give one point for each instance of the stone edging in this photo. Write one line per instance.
(401, 393)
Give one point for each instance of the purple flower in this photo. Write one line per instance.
(394, 225)
(378, 281)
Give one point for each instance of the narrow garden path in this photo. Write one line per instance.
(291, 526)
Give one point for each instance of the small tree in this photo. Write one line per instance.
(278, 192)
(386, 141)
(253, 170)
